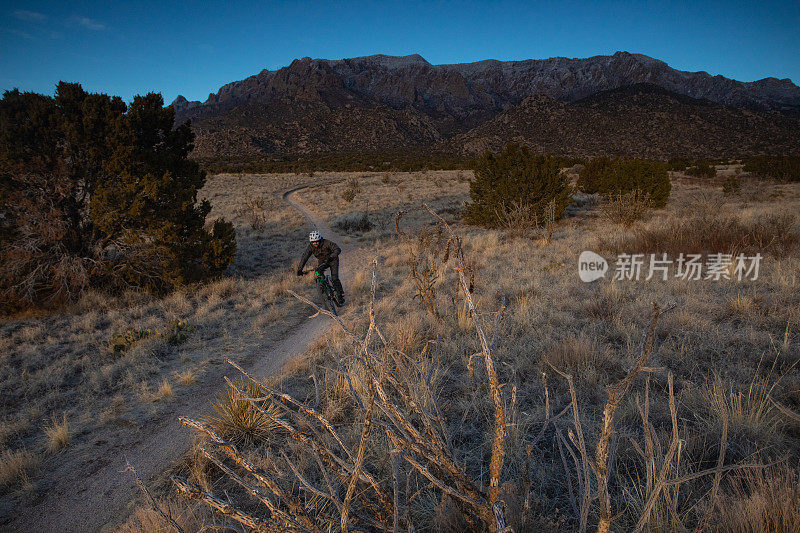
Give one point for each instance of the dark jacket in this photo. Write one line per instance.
(325, 252)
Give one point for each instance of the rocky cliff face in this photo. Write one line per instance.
(385, 102)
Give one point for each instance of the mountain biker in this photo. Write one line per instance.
(327, 254)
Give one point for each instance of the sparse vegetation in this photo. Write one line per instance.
(352, 190)
(589, 331)
(63, 362)
(15, 466)
(719, 231)
(629, 486)
(627, 207)
(732, 185)
(358, 223)
(176, 332)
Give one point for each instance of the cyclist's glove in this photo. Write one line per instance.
(299, 272)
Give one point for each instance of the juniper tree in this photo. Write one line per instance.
(516, 176)
(613, 177)
(93, 193)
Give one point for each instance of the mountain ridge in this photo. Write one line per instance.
(627, 68)
(382, 102)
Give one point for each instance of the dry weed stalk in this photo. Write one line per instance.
(422, 262)
(496, 462)
(396, 392)
(657, 480)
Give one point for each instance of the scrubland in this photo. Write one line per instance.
(705, 437)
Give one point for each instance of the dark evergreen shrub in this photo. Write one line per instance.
(701, 169)
(786, 168)
(516, 177)
(611, 177)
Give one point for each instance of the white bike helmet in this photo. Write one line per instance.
(314, 236)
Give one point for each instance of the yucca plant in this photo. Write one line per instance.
(237, 420)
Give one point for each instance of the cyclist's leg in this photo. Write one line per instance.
(337, 284)
(320, 287)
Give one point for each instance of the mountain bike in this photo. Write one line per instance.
(325, 289)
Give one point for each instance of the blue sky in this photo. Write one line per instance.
(192, 48)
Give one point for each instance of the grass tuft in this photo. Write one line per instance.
(15, 466)
(58, 435)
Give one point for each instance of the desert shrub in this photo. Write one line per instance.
(253, 209)
(353, 189)
(176, 332)
(626, 208)
(732, 185)
(516, 176)
(97, 193)
(678, 164)
(351, 223)
(785, 168)
(701, 169)
(614, 176)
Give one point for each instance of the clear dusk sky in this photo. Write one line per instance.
(192, 48)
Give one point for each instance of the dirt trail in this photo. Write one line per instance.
(98, 502)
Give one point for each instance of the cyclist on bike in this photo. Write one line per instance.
(327, 254)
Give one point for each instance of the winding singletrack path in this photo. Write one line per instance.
(100, 500)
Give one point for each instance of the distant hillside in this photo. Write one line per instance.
(382, 102)
(640, 120)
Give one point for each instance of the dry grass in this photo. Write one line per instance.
(58, 434)
(589, 329)
(164, 391)
(15, 467)
(189, 517)
(187, 377)
(749, 410)
(713, 231)
(761, 501)
(574, 353)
